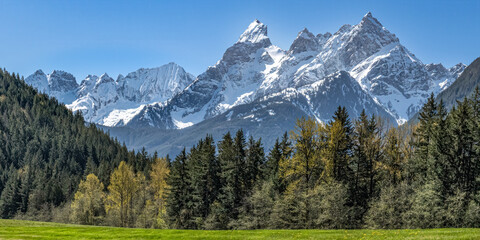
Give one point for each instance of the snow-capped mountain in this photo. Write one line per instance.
(394, 82)
(362, 66)
(59, 84)
(110, 102)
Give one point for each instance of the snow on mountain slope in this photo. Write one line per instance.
(104, 101)
(39, 81)
(59, 84)
(362, 66)
(399, 81)
(232, 81)
(253, 68)
(154, 84)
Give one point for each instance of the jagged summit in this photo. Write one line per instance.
(369, 17)
(255, 33)
(305, 34)
(359, 66)
(305, 41)
(104, 78)
(457, 69)
(39, 72)
(61, 81)
(371, 25)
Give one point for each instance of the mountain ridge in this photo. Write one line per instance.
(361, 66)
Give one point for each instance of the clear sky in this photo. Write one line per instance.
(93, 37)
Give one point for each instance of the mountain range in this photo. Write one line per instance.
(257, 86)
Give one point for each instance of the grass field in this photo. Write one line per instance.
(15, 229)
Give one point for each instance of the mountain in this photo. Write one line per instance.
(393, 78)
(59, 84)
(463, 87)
(105, 101)
(362, 66)
(266, 118)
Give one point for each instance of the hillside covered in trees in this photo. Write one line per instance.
(45, 151)
(347, 173)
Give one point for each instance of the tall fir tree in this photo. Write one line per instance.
(178, 205)
(203, 170)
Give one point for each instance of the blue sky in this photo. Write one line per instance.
(93, 37)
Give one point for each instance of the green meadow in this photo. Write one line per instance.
(16, 229)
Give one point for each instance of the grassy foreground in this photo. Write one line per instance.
(15, 229)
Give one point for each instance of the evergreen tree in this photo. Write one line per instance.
(281, 151)
(254, 160)
(203, 170)
(424, 146)
(10, 200)
(462, 128)
(392, 164)
(367, 156)
(337, 154)
(231, 156)
(178, 208)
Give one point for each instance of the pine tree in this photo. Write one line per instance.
(10, 199)
(231, 154)
(424, 145)
(281, 151)
(178, 208)
(462, 130)
(255, 158)
(476, 137)
(302, 171)
(272, 165)
(204, 170)
(367, 156)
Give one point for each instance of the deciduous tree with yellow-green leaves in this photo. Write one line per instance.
(122, 189)
(87, 206)
(158, 183)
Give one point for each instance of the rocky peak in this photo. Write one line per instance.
(86, 85)
(323, 38)
(343, 29)
(39, 72)
(351, 45)
(436, 68)
(160, 83)
(304, 42)
(255, 33)
(457, 69)
(369, 19)
(374, 30)
(38, 80)
(61, 81)
(437, 71)
(104, 78)
(253, 39)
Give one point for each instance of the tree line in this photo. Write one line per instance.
(346, 173)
